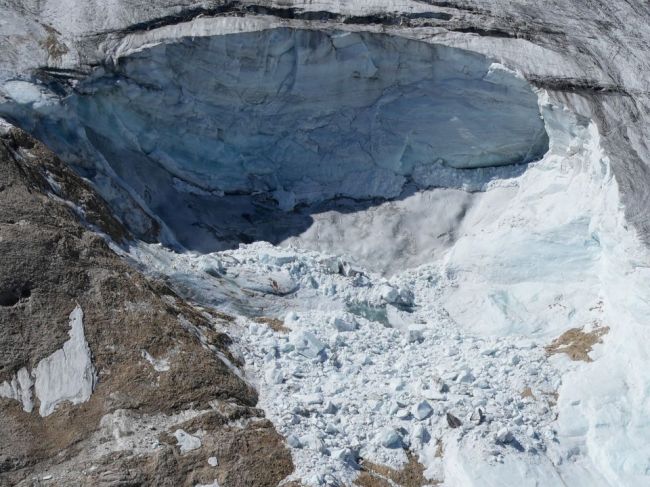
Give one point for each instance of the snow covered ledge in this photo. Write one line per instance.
(302, 116)
(66, 375)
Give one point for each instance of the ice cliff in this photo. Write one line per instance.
(302, 116)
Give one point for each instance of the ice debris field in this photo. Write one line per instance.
(454, 361)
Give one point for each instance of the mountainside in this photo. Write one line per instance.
(54, 269)
(324, 243)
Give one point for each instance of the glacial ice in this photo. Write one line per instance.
(293, 116)
(533, 255)
(454, 292)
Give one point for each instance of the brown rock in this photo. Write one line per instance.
(50, 263)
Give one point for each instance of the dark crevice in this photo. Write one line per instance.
(576, 85)
(453, 5)
(239, 9)
(485, 32)
(11, 297)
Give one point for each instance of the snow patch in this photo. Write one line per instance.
(186, 441)
(20, 389)
(66, 375)
(160, 365)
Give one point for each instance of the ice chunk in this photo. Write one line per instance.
(415, 333)
(293, 441)
(345, 322)
(307, 344)
(389, 438)
(388, 293)
(274, 376)
(422, 410)
(503, 436)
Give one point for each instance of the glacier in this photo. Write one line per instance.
(292, 117)
(435, 220)
(535, 255)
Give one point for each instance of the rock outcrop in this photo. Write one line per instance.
(121, 433)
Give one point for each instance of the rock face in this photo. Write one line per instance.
(87, 369)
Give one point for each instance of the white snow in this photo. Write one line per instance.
(68, 374)
(20, 389)
(186, 441)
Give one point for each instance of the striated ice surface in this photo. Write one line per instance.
(301, 116)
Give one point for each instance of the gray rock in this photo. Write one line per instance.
(453, 421)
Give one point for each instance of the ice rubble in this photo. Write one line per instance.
(440, 355)
(299, 116)
(66, 375)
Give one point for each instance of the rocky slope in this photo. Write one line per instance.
(158, 364)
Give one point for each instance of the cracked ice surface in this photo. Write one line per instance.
(372, 365)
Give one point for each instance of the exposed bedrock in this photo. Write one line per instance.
(290, 116)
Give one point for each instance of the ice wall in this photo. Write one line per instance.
(301, 115)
